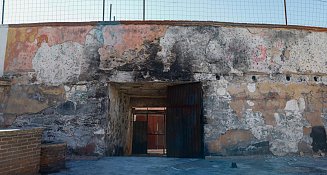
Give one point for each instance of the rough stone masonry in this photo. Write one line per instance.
(265, 89)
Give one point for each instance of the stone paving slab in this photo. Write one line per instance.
(251, 165)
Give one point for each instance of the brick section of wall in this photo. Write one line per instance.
(20, 151)
(53, 157)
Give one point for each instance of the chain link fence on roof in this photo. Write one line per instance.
(282, 12)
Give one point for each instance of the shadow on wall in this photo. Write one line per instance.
(318, 135)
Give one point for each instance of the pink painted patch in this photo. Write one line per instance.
(260, 54)
(22, 58)
(23, 43)
(131, 37)
(59, 35)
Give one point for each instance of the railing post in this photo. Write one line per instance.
(143, 10)
(285, 12)
(3, 12)
(103, 9)
(110, 12)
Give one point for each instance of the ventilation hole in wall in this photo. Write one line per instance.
(315, 78)
(254, 78)
(288, 78)
(217, 77)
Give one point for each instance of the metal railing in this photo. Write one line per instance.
(282, 12)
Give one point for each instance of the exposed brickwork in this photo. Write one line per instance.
(53, 157)
(20, 151)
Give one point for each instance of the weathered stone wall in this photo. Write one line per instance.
(119, 124)
(267, 115)
(264, 88)
(77, 115)
(4, 94)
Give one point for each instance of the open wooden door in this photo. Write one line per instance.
(184, 134)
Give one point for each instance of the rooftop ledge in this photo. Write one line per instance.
(14, 131)
(8, 130)
(174, 23)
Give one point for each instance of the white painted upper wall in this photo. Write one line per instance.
(3, 44)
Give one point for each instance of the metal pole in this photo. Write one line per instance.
(143, 10)
(103, 9)
(110, 11)
(3, 11)
(285, 12)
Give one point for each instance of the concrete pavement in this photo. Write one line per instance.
(251, 165)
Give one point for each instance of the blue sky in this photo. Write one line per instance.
(300, 12)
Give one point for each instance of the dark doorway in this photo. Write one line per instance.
(165, 118)
(139, 136)
(185, 121)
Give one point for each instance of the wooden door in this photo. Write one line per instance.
(185, 121)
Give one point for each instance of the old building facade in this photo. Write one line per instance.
(264, 88)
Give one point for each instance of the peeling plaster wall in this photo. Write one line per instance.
(264, 88)
(74, 113)
(275, 111)
(4, 95)
(119, 124)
